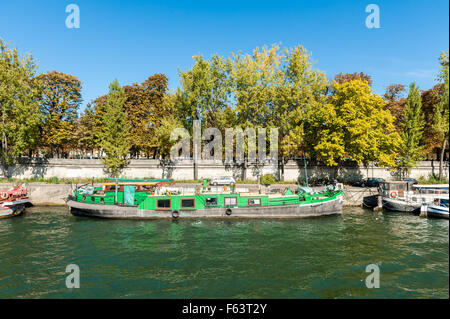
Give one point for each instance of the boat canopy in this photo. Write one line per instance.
(131, 183)
(110, 180)
(432, 186)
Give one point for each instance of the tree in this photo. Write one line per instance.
(85, 131)
(301, 89)
(61, 98)
(346, 77)
(353, 125)
(441, 113)
(204, 96)
(204, 92)
(19, 93)
(145, 108)
(115, 137)
(163, 136)
(396, 103)
(431, 140)
(412, 130)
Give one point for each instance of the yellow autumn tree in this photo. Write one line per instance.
(353, 125)
(61, 98)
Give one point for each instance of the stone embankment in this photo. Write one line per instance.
(55, 194)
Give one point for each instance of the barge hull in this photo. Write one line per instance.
(332, 207)
(437, 212)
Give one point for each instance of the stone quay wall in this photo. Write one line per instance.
(184, 170)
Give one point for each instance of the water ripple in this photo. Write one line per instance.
(304, 258)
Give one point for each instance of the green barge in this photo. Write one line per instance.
(152, 199)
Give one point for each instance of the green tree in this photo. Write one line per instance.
(61, 98)
(145, 106)
(413, 124)
(20, 117)
(353, 125)
(115, 137)
(85, 131)
(163, 134)
(441, 113)
(300, 91)
(204, 92)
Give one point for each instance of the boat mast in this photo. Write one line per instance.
(115, 202)
(306, 170)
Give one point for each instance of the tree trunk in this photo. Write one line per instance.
(336, 170)
(441, 160)
(281, 169)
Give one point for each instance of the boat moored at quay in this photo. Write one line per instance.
(153, 199)
(407, 197)
(13, 201)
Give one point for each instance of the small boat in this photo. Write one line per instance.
(6, 212)
(370, 201)
(153, 199)
(439, 209)
(13, 201)
(407, 197)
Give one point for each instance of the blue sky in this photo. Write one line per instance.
(131, 40)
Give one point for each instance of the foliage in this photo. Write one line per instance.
(115, 137)
(61, 98)
(269, 88)
(267, 180)
(168, 125)
(20, 117)
(432, 179)
(396, 103)
(431, 139)
(413, 123)
(204, 92)
(85, 131)
(346, 77)
(145, 109)
(354, 125)
(441, 113)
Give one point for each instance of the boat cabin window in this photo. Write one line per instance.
(444, 190)
(143, 188)
(393, 186)
(400, 187)
(163, 203)
(211, 201)
(188, 203)
(254, 201)
(230, 201)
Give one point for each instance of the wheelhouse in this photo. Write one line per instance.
(396, 189)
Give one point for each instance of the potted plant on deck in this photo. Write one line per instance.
(267, 180)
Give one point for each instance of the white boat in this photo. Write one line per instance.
(13, 201)
(6, 212)
(438, 209)
(407, 197)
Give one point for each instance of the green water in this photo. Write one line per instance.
(303, 258)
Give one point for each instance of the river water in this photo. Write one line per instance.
(295, 258)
